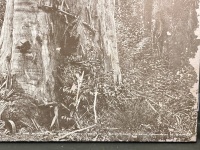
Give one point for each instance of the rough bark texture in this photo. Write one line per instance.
(33, 69)
(99, 15)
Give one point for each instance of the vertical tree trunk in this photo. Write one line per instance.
(148, 7)
(27, 49)
(30, 36)
(99, 15)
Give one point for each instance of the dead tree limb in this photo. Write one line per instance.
(75, 131)
(94, 107)
(67, 13)
(46, 7)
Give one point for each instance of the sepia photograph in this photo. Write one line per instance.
(99, 70)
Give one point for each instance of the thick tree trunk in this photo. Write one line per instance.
(31, 35)
(27, 49)
(99, 15)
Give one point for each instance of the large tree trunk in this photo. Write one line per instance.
(98, 15)
(31, 35)
(27, 50)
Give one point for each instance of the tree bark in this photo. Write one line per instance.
(32, 69)
(31, 35)
(99, 15)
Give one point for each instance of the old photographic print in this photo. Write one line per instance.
(99, 70)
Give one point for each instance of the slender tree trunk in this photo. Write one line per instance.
(148, 7)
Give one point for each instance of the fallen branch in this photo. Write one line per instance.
(26, 124)
(59, 10)
(94, 107)
(79, 80)
(66, 13)
(48, 104)
(147, 100)
(55, 118)
(70, 15)
(152, 107)
(2, 108)
(65, 106)
(34, 123)
(89, 27)
(142, 95)
(3, 84)
(64, 136)
(13, 126)
(10, 93)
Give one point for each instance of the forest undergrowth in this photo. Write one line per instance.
(154, 97)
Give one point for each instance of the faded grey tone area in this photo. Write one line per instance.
(96, 70)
